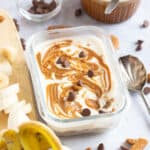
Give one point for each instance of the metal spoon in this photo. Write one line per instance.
(111, 6)
(135, 75)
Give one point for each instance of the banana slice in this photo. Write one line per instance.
(5, 67)
(35, 135)
(16, 118)
(9, 53)
(4, 80)
(8, 101)
(26, 108)
(6, 92)
(12, 140)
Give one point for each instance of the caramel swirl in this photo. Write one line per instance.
(75, 70)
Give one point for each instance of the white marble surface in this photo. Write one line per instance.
(136, 123)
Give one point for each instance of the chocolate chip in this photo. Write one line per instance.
(71, 96)
(23, 43)
(123, 148)
(86, 112)
(139, 42)
(16, 24)
(101, 112)
(90, 73)
(66, 64)
(41, 7)
(148, 78)
(60, 60)
(79, 83)
(100, 146)
(78, 12)
(82, 54)
(146, 90)
(139, 47)
(145, 24)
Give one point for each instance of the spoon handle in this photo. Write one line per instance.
(145, 99)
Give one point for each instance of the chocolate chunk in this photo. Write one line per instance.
(86, 112)
(146, 90)
(60, 60)
(79, 83)
(78, 12)
(82, 54)
(71, 96)
(101, 112)
(123, 148)
(41, 7)
(139, 47)
(139, 42)
(90, 73)
(148, 78)
(23, 43)
(145, 24)
(16, 24)
(66, 64)
(100, 146)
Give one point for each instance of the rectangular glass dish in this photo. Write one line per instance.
(79, 45)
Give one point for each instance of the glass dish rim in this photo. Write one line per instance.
(44, 107)
(38, 16)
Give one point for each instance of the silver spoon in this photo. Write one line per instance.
(135, 76)
(111, 6)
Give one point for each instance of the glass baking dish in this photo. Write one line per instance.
(94, 123)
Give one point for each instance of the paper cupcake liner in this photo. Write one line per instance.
(123, 11)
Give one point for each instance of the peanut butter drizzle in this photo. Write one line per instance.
(76, 71)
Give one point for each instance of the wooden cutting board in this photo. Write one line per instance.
(10, 38)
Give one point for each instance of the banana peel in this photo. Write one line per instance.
(30, 136)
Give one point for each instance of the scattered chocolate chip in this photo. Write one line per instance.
(90, 73)
(79, 83)
(86, 112)
(148, 78)
(139, 47)
(146, 90)
(82, 54)
(123, 148)
(89, 148)
(23, 43)
(60, 60)
(41, 7)
(139, 42)
(78, 12)
(71, 96)
(101, 112)
(66, 64)
(100, 146)
(145, 24)
(16, 24)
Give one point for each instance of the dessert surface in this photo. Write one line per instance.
(77, 79)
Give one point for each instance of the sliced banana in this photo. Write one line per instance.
(8, 101)
(4, 80)
(5, 67)
(16, 118)
(6, 92)
(26, 108)
(9, 53)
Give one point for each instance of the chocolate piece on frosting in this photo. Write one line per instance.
(71, 96)
(86, 112)
(90, 73)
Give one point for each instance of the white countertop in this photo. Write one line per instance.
(136, 123)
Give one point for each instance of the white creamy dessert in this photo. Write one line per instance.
(76, 77)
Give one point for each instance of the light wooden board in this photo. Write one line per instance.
(10, 37)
